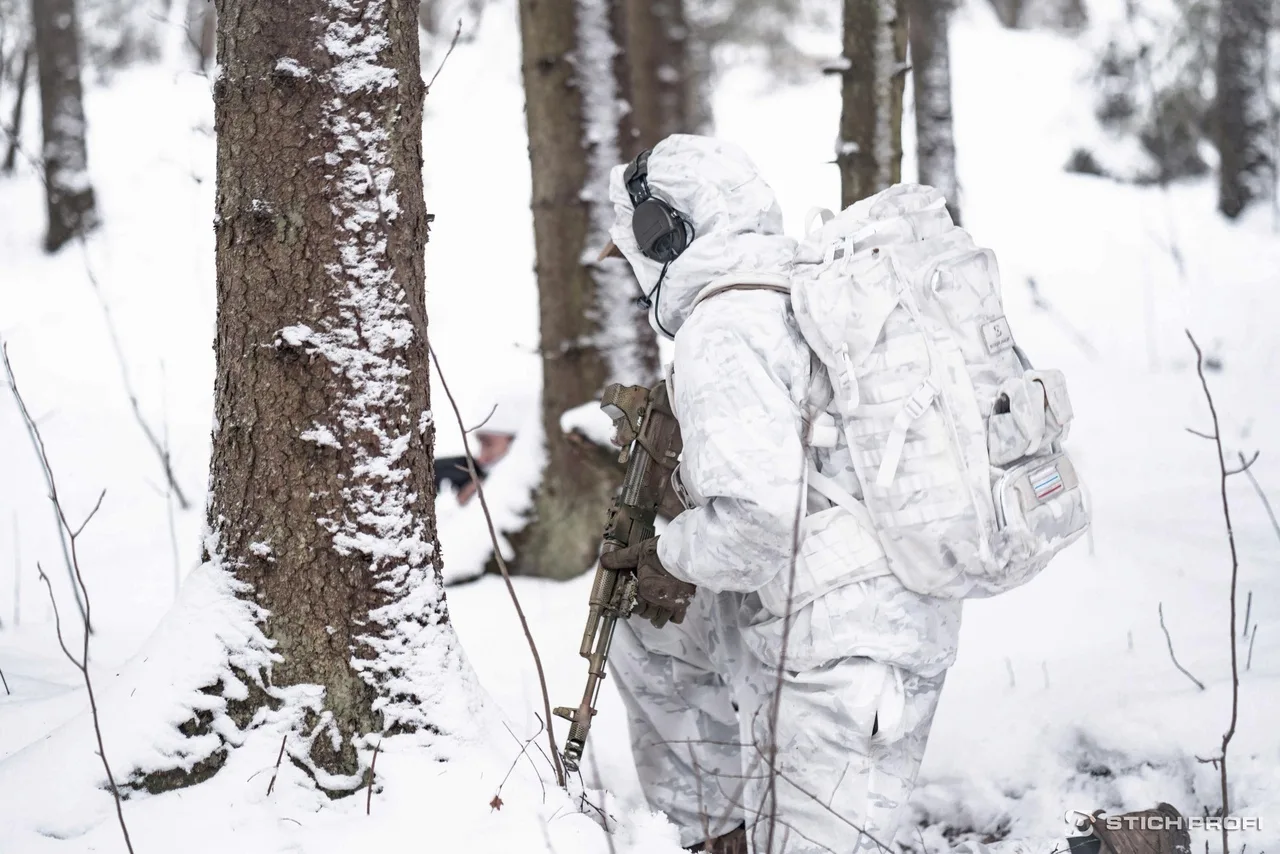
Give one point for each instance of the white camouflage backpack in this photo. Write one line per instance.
(955, 438)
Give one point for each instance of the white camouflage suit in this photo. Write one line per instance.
(862, 652)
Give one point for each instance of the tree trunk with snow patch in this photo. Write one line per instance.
(588, 329)
(931, 84)
(322, 504)
(1246, 172)
(69, 199)
(869, 151)
(656, 45)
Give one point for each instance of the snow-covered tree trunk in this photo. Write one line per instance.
(68, 194)
(1246, 171)
(588, 328)
(931, 83)
(322, 504)
(869, 151)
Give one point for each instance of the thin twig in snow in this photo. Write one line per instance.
(169, 494)
(37, 443)
(1077, 337)
(373, 776)
(17, 572)
(1248, 662)
(279, 757)
(1248, 608)
(73, 534)
(5, 682)
(524, 752)
(502, 566)
(1008, 665)
(1174, 658)
(608, 834)
(1257, 487)
(1235, 575)
(160, 447)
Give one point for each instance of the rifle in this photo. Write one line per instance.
(649, 435)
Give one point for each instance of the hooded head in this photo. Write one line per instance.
(734, 217)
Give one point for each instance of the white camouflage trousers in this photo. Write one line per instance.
(700, 708)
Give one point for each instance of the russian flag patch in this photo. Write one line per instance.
(1046, 482)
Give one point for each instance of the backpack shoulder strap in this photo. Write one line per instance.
(745, 282)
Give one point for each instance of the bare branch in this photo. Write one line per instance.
(492, 410)
(456, 34)
(1257, 487)
(1253, 635)
(1244, 464)
(530, 758)
(161, 448)
(37, 443)
(1073, 333)
(5, 682)
(82, 664)
(1235, 576)
(608, 834)
(524, 751)
(96, 507)
(373, 776)
(279, 756)
(1195, 432)
(1174, 658)
(506, 574)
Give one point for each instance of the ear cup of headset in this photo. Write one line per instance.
(660, 232)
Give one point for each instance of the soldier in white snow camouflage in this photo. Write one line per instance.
(863, 658)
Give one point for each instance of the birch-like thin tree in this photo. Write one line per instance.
(931, 87)
(869, 151)
(1246, 169)
(589, 331)
(69, 199)
(321, 517)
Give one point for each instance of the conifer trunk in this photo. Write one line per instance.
(869, 152)
(1246, 172)
(322, 495)
(589, 332)
(931, 86)
(69, 199)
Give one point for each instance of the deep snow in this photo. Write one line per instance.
(1063, 695)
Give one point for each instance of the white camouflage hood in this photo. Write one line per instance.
(735, 216)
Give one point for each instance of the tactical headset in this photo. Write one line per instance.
(660, 231)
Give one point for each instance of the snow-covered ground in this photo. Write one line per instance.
(1064, 695)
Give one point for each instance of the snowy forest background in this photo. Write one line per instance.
(1119, 157)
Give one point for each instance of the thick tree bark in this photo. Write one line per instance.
(656, 41)
(1246, 171)
(588, 331)
(639, 128)
(68, 194)
(931, 84)
(322, 496)
(869, 152)
(15, 123)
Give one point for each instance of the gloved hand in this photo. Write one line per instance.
(661, 595)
